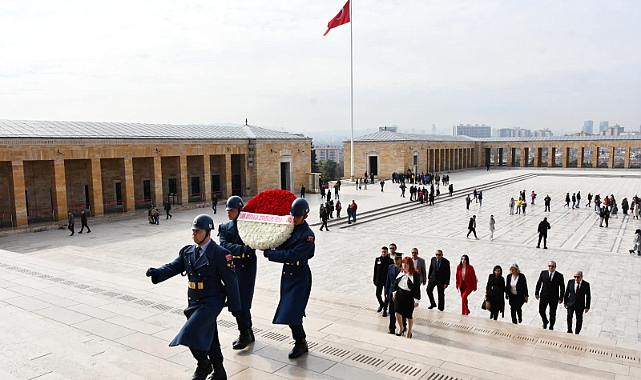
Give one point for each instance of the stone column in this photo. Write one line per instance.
(207, 178)
(228, 176)
(551, 155)
(60, 190)
(18, 189)
(184, 178)
(611, 160)
(595, 157)
(510, 156)
(566, 154)
(159, 198)
(129, 198)
(496, 157)
(626, 159)
(579, 158)
(537, 157)
(95, 188)
(522, 157)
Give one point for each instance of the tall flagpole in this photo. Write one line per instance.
(351, 69)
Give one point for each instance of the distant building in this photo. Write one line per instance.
(614, 130)
(326, 153)
(588, 126)
(386, 128)
(434, 129)
(543, 133)
(513, 132)
(475, 131)
(603, 125)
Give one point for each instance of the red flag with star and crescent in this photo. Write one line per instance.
(341, 18)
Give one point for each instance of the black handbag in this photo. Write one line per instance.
(483, 305)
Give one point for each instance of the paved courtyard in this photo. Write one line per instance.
(113, 259)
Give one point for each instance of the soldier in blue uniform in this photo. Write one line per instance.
(245, 261)
(212, 280)
(296, 280)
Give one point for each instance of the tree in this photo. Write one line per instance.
(329, 171)
(315, 167)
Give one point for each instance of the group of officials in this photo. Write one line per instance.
(225, 275)
(551, 289)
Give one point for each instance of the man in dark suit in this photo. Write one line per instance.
(439, 277)
(577, 300)
(550, 284)
(381, 264)
(419, 264)
(543, 228)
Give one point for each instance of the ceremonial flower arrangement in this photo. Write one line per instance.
(265, 221)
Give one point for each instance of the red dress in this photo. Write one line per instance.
(466, 285)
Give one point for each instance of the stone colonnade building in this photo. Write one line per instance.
(49, 167)
(385, 152)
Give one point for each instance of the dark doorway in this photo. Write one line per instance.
(373, 165)
(87, 205)
(173, 190)
(195, 189)
(236, 185)
(215, 184)
(488, 155)
(118, 193)
(285, 177)
(146, 190)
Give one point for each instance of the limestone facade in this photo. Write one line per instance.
(42, 178)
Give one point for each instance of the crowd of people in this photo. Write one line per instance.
(398, 282)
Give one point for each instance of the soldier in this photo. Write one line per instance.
(296, 280)
(245, 262)
(212, 280)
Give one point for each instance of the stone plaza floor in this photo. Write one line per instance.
(85, 298)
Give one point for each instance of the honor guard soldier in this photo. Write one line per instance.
(296, 280)
(245, 260)
(212, 284)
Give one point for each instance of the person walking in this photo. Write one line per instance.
(402, 187)
(338, 207)
(302, 191)
(296, 280)
(214, 203)
(83, 221)
(637, 242)
(516, 292)
(573, 201)
(382, 183)
(511, 205)
(567, 200)
(471, 226)
(70, 222)
(577, 300)
(450, 188)
(476, 195)
(390, 282)
(494, 293)
(465, 282)
(604, 214)
(533, 196)
(419, 265)
(439, 278)
(381, 264)
(467, 202)
(492, 227)
(324, 215)
(543, 228)
(167, 207)
(589, 200)
(546, 201)
(407, 293)
(625, 206)
(480, 196)
(578, 199)
(551, 285)
(246, 266)
(204, 262)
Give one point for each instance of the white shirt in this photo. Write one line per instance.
(415, 263)
(513, 284)
(402, 283)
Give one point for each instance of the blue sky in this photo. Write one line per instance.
(544, 64)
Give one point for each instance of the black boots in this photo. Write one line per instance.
(300, 348)
(219, 372)
(244, 339)
(203, 369)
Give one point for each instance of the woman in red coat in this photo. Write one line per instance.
(465, 281)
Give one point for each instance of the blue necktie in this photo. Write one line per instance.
(438, 264)
(198, 253)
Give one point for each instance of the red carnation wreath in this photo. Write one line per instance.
(265, 221)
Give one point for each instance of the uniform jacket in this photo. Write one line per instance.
(580, 300)
(244, 260)
(550, 290)
(380, 269)
(440, 276)
(470, 279)
(215, 270)
(296, 280)
(390, 282)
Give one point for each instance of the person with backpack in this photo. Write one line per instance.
(338, 208)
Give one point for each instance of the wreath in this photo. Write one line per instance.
(265, 221)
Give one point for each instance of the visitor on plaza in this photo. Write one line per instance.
(637, 242)
(480, 198)
(324, 216)
(625, 206)
(302, 191)
(492, 225)
(466, 282)
(543, 228)
(382, 183)
(546, 202)
(567, 200)
(338, 208)
(468, 200)
(205, 303)
(494, 293)
(70, 222)
(589, 200)
(351, 213)
(471, 226)
(167, 208)
(604, 215)
(390, 282)
(516, 292)
(533, 196)
(519, 204)
(523, 206)
(381, 264)
(402, 187)
(439, 278)
(549, 292)
(511, 206)
(83, 221)
(577, 301)
(578, 199)
(407, 293)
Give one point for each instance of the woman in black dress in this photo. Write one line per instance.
(407, 293)
(516, 292)
(494, 292)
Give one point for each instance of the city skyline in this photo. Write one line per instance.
(416, 64)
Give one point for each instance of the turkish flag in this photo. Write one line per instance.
(341, 18)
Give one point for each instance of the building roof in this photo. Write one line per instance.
(557, 138)
(100, 130)
(395, 136)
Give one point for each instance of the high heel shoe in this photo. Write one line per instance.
(401, 333)
(409, 335)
